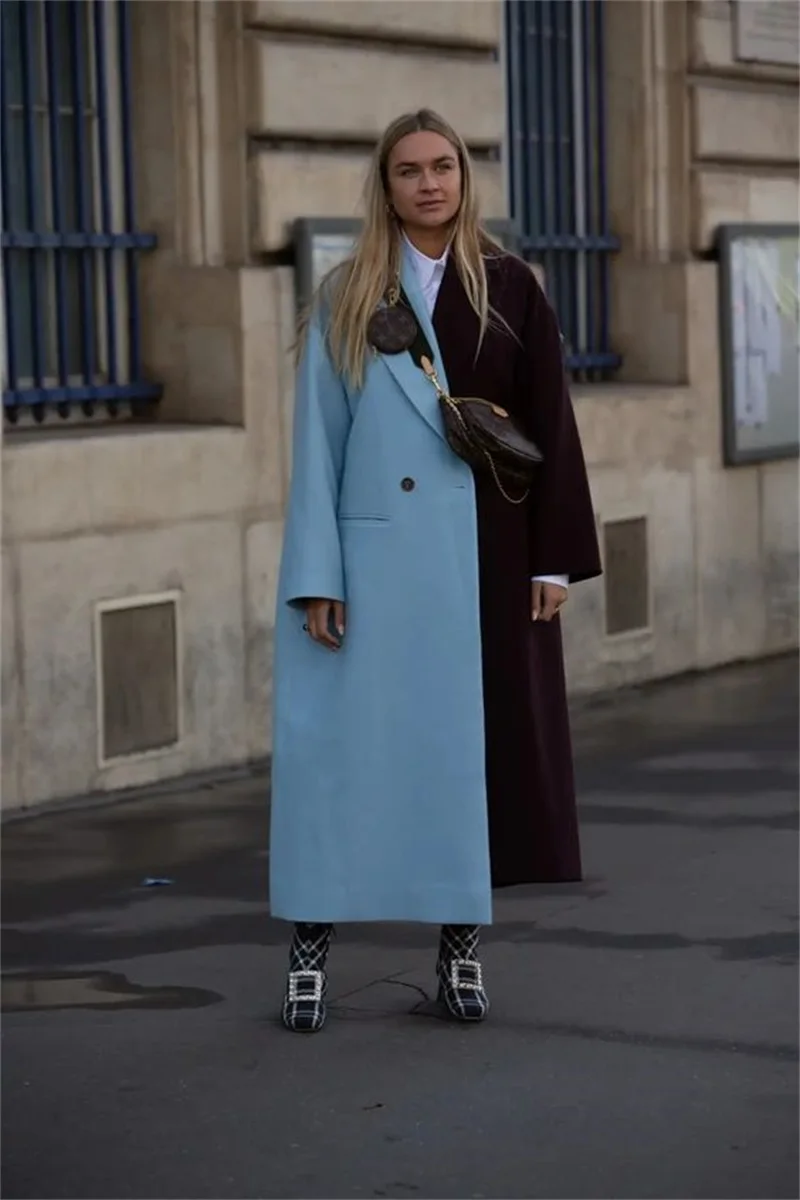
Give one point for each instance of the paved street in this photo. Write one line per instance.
(643, 1041)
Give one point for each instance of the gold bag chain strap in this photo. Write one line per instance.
(421, 353)
(453, 404)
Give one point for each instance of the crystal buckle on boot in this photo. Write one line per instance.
(300, 979)
(472, 977)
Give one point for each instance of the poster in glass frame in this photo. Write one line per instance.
(759, 322)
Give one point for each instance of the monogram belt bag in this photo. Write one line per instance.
(479, 432)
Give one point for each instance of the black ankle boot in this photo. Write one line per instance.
(304, 1003)
(460, 976)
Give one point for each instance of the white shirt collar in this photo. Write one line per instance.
(429, 272)
(427, 268)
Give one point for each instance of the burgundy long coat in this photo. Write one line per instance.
(531, 795)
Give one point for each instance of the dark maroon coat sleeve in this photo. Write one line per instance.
(562, 524)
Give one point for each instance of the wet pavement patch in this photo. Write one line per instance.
(104, 990)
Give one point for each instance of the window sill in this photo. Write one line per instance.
(35, 435)
(612, 390)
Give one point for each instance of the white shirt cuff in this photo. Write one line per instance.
(560, 580)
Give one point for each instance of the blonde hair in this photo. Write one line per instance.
(352, 291)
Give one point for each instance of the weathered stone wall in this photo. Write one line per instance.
(251, 114)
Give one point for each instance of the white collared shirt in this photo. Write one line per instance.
(430, 273)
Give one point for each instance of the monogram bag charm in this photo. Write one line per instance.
(393, 327)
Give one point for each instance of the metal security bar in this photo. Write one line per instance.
(70, 243)
(557, 166)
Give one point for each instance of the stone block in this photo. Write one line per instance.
(467, 22)
(648, 320)
(13, 730)
(266, 366)
(582, 625)
(731, 594)
(284, 280)
(732, 124)
(119, 479)
(662, 495)
(60, 583)
(781, 537)
(669, 500)
(627, 488)
(593, 659)
(355, 92)
(262, 549)
(213, 372)
(702, 279)
(731, 197)
(192, 341)
(642, 427)
(290, 184)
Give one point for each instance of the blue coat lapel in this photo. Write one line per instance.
(410, 378)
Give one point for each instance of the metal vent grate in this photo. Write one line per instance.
(626, 574)
(138, 669)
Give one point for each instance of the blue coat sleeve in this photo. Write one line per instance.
(311, 565)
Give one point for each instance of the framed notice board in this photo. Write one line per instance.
(320, 243)
(759, 268)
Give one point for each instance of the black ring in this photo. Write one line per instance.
(306, 628)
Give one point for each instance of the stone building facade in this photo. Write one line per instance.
(140, 556)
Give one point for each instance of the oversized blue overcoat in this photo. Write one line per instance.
(379, 808)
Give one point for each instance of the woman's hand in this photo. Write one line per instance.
(546, 600)
(320, 615)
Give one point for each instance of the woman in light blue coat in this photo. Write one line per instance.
(379, 799)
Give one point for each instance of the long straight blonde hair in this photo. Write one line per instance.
(353, 290)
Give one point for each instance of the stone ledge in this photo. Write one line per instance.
(395, 81)
(473, 23)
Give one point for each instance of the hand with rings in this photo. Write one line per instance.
(546, 600)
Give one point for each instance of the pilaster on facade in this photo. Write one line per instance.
(209, 136)
(647, 122)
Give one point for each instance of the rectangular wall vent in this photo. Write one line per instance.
(138, 669)
(626, 574)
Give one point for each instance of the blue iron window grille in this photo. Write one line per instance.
(69, 237)
(557, 166)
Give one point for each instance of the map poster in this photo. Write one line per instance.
(760, 341)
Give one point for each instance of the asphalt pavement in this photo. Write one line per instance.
(643, 1037)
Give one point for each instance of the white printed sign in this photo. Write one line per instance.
(767, 31)
(764, 341)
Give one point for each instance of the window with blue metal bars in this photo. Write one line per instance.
(70, 242)
(556, 76)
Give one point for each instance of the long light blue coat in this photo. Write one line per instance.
(378, 784)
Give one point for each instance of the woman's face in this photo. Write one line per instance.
(424, 180)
